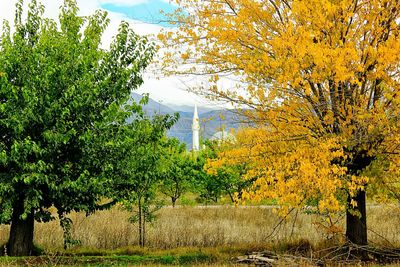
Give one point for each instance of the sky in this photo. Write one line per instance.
(144, 18)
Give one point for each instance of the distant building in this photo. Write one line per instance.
(223, 136)
(220, 136)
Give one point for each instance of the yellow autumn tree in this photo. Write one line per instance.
(321, 78)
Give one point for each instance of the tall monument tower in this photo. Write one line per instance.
(195, 130)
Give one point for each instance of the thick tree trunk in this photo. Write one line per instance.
(356, 218)
(356, 223)
(21, 232)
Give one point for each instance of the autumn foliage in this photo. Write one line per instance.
(319, 80)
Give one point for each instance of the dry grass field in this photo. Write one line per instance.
(207, 226)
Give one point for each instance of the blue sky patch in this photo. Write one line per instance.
(148, 12)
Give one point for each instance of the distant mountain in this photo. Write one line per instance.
(186, 108)
(211, 121)
(153, 107)
(218, 120)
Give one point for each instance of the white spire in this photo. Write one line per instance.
(196, 130)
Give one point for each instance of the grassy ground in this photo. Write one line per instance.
(195, 235)
(175, 227)
(206, 227)
(220, 256)
(195, 258)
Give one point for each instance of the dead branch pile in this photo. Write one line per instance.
(342, 255)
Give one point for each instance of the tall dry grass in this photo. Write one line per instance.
(205, 227)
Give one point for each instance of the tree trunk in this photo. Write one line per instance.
(21, 232)
(140, 222)
(231, 197)
(144, 230)
(356, 223)
(173, 200)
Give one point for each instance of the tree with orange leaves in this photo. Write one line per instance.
(322, 80)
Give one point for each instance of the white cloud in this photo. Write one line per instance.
(168, 90)
(7, 10)
(130, 2)
(123, 2)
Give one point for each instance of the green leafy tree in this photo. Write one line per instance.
(231, 182)
(213, 182)
(140, 168)
(206, 185)
(228, 177)
(61, 100)
(178, 171)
